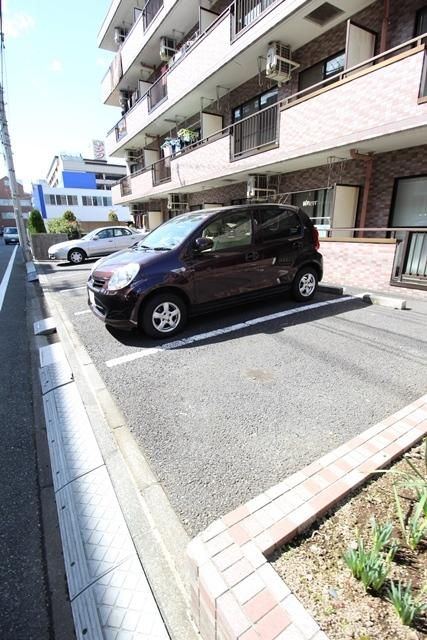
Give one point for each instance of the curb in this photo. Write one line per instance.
(235, 592)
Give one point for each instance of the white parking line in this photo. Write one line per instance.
(81, 313)
(6, 277)
(217, 332)
(71, 289)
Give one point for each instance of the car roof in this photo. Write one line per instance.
(209, 213)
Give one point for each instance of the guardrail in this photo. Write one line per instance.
(254, 132)
(157, 92)
(245, 12)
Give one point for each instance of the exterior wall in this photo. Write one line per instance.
(363, 265)
(78, 180)
(7, 214)
(82, 213)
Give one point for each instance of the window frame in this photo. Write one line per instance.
(258, 99)
(259, 232)
(323, 64)
(418, 15)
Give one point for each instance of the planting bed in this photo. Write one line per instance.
(314, 569)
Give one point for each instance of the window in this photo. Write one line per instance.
(6, 202)
(120, 232)
(421, 22)
(317, 204)
(107, 201)
(410, 202)
(321, 71)
(255, 104)
(105, 233)
(230, 231)
(276, 224)
(86, 201)
(71, 200)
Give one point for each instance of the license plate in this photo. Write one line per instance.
(91, 297)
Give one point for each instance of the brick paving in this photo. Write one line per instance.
(235, 593)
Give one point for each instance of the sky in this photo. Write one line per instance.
(52, 81)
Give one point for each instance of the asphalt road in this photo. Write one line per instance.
(224, 418)
(24, 611)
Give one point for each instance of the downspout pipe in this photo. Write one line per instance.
(368, 158)
(384, 26)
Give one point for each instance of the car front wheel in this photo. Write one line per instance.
(76, 256)
(305, 284)
(164, 315)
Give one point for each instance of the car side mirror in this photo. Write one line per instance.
(95, 238)
(203, 244)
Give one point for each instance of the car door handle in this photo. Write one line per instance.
(252, 256)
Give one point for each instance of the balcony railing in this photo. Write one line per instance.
(121, 129)
(410, 259)
(245, 12)
(255, 132)
(125, 186)
(150, 10)
(157, 92)
(161, 171)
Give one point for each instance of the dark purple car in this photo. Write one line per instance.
(198, 261)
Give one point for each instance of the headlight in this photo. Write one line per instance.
(123, 276)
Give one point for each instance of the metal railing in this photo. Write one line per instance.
(254, 132)
(121, 129)
(245, 12)
(150, 10)
(157, 92)
(125, 186)
(410, 260)
(161, 171)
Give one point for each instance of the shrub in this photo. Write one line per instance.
(59, 225)
(112, 216)
(35, 222)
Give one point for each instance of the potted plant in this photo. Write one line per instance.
(187, 135)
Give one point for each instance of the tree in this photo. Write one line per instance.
(69, 216)
(112, 216)
(35, 222)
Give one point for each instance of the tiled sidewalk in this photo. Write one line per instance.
(235, 593)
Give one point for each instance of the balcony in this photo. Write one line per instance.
(255, 133)
(375, 106)
(161, 171)
(157, 92)
(150, 10)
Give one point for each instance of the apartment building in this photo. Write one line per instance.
(82, 185)
(7, 213)
(313, 103)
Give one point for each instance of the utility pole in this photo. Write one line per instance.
(5, 138)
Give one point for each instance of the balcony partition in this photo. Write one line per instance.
(423, 85)
(125, 186)
(255, 132)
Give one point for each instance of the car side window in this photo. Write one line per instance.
(121, 232)
(230, 231)
(276, 224)
(105, 233)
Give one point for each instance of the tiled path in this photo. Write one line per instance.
(235, 592)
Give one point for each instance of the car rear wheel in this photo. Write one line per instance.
(76, 256)
(305, 284)
(164, 315)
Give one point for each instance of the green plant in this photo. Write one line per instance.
(368, 565)
(381, 534)
(35, 222)
(59, 225)
(69, 216)
(112, 216)
(413, 531)
(404, 602)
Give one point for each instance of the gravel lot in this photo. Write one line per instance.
(225, 418)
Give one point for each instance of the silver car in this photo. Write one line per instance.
(11, 235)
(99, 242)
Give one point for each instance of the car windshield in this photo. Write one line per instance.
(11, 230)
(172, 233)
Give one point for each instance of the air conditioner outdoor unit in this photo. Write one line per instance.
(279, 63)
(261, 187)
(119, 35)
(167, 48)
(178, 201)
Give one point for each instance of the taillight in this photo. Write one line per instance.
(315, 235)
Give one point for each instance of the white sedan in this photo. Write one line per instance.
(99, 242)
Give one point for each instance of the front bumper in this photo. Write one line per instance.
(115, 308)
